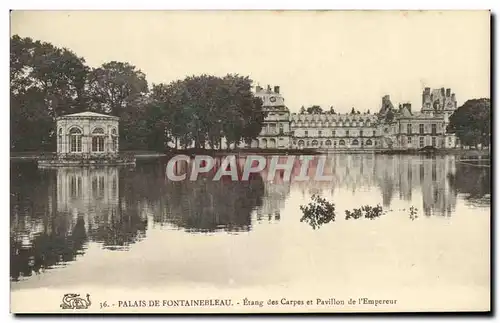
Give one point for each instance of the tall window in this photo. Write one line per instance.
(374, 133)
(433, 129)
(421, 143)
(98, 140)
(319, 133)
(114, 139)
(333, 133)
(433, 141)
(361, 133)
(421, 128)
(347, 133)
(306, 133)
(59, 140)
(75, 140)
(408, 128)
(281, 128)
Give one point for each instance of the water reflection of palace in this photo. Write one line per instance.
(402, 175)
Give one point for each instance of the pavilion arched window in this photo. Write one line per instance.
(114, 140)
(59, 140)
(75, 140)
(98, 140)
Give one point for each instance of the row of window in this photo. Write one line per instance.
(421, 128)
(331, 124)
(334, 133)
(328, 143)
(421, 141)
(75, 140)
(96, 131)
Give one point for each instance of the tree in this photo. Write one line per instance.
(368, 112)
(46, 82)
(353, 111)
(471, 122)
(114, 86)
(315, 109)
(204, 109)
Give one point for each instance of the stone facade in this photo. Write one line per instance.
(87, 134)
(390, 128)
(335, 131)
(276, 129)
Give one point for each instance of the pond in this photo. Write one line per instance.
(133, 228)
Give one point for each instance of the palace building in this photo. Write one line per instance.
(275, 132)
(390, 128)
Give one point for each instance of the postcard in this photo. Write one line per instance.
(250, 161)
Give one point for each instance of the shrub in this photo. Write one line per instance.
(318, 212)
(369, 212)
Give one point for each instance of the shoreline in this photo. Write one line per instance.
(474, 154)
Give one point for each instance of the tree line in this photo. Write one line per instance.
(47, 81)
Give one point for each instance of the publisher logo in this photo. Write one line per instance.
(75, 302)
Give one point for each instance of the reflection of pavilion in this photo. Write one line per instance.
(93, 193)
(88, 192)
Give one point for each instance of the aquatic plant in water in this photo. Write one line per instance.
(318, 212)
(413, 213)
(369, 212)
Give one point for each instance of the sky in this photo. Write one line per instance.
(342, 59)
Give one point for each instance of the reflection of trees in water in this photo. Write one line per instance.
(206, 205)
(473, 181)
(203, 205)
(118, 229)
(32, 191)
(47, 249)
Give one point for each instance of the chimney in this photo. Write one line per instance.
(427, 90)
(448, 92)
(268, 88)
(442, 91)
(258, 89)
(277, 89)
